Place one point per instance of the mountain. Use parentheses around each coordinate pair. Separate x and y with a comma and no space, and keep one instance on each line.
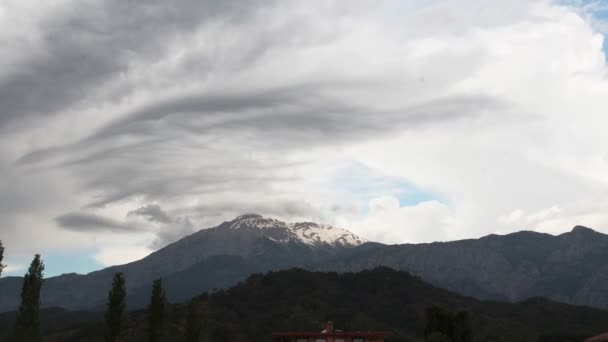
(210,258)
(379,299)
(571,267)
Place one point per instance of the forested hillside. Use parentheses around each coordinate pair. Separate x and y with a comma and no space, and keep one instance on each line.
(380,299)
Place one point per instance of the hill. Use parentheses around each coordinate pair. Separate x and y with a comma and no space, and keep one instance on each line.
(380,299)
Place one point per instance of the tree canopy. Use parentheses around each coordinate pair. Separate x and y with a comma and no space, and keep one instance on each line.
(194,327)
(1,257)
(157,312)
(117,306)
(445,323)
(27,324)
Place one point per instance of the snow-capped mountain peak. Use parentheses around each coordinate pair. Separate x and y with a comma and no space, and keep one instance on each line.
(254,221)
(309,233)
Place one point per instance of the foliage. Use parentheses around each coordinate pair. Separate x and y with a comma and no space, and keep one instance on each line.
(157,312)
(439,320)
(1,257)
(114,317)
(437,337)
(27,324)
(380,299)
(194,327)
(463,327)
(456,327)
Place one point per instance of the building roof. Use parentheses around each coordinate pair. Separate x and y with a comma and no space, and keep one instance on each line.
(598,338)
(380,334)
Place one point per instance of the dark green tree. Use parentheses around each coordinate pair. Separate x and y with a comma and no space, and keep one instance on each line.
(462,327)
(27,324)
(194,326)
(438,320)
(437,337)
(1,257)
(456,327)
(157,312)
(115,313)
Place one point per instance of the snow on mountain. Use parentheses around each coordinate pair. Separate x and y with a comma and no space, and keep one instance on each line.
(306,232)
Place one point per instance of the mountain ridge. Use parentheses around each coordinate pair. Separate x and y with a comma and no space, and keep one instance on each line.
(254,243)
(568,267)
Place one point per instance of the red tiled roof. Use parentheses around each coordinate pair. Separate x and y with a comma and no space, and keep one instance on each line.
(598,338)
(380,334)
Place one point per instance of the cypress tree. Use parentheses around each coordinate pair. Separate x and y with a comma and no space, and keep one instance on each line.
(156,312)
(27,324)
(194,326)
(115,313)
(1,257)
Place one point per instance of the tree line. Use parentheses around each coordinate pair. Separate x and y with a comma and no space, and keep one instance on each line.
(27,323)
(442,324)
(445,325)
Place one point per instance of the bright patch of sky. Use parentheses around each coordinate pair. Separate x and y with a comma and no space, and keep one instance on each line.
(596,12)
(362,184)
(56,263)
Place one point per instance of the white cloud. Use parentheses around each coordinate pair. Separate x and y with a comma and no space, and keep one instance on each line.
(534,163)
(387,222)
(498,110)
(13,268)
(120,254)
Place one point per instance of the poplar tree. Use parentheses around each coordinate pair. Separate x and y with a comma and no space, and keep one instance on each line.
(194,326)
(156,312)
(1,257)
(27,324)
(115,313)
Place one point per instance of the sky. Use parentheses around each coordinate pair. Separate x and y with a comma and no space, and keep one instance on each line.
(125,126)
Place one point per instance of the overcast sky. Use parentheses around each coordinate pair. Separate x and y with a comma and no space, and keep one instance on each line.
(126,125)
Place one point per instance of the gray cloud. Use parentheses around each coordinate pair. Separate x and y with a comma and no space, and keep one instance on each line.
(144,152)
(179,222)
(200,145)
(115,173)
(152,212)
(212,102)
(172,232)
(87,46)
(280,207)
(84,222)
(296,116)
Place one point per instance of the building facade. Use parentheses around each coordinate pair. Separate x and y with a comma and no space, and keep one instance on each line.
(331,335)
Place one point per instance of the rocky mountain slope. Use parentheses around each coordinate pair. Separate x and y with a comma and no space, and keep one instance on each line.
(380,299)
(571,267)
(210,258)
